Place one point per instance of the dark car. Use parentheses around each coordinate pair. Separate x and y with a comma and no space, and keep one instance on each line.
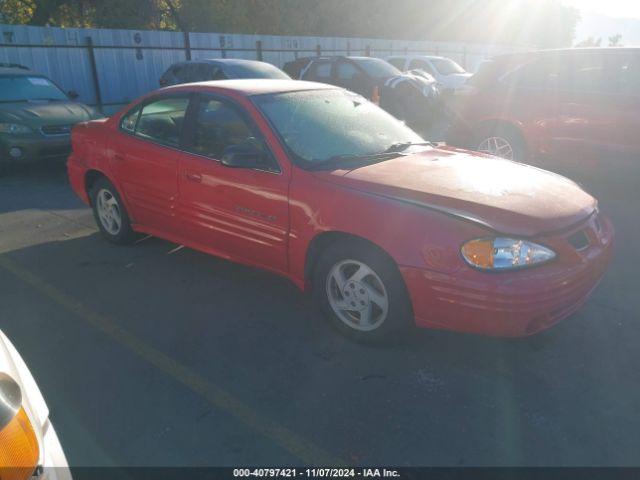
(409,97)
(219,69)
(569,104)
(36,116)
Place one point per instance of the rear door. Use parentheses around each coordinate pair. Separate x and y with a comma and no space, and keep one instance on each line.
(144,155)
(236,213)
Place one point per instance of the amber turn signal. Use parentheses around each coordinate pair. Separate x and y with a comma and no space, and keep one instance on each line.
(19,451)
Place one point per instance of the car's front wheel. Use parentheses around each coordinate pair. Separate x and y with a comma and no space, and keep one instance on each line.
(110,213)
(361,291)
(501,141)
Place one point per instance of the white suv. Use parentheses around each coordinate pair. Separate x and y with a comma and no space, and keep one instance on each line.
(447,73)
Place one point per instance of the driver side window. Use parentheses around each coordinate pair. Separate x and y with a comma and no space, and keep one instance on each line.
(219,125)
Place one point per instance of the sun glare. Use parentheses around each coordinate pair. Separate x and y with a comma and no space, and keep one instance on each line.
(610,8)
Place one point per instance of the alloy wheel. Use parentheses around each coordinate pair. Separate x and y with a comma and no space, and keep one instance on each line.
(498,146)
(357,295)
(108,211)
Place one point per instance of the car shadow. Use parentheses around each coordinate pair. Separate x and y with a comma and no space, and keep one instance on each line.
(46,183)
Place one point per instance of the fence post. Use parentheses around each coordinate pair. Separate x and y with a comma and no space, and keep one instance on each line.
(367,51)
(348,48)
(464,57)
(94,73)
(187,45)
(318,50)
(259,50)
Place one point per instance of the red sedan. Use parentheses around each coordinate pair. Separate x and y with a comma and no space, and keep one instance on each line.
(319,185)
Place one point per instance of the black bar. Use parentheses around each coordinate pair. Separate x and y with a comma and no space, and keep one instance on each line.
(318,50)
(259,50)
(394,473)
(187,45)
(94,72)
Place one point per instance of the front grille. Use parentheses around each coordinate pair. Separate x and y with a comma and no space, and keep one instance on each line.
(579,240)
(56,129)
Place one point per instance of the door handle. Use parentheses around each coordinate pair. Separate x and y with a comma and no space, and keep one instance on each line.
(117,156)
(193,177)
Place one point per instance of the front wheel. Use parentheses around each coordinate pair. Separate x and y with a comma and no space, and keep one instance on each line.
(502,142)
(361,292)
(110,213)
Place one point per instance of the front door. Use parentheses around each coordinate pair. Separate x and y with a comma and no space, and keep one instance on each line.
(238,213)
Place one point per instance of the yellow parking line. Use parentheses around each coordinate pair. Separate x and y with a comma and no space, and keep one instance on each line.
(301,448)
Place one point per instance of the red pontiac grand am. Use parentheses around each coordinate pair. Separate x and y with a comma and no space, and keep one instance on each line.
(317,184)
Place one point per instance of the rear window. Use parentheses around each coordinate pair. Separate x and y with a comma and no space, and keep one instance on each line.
(377,68)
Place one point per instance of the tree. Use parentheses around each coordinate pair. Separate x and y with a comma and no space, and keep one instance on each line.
(537,23)
(615,40)
(589,42)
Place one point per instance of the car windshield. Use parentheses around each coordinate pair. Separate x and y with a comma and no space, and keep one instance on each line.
(256,70)
(446,66)
(24,88)
(377,68)
(319,126)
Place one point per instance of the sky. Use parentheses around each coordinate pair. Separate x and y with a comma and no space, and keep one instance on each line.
(609,8)
(606,18)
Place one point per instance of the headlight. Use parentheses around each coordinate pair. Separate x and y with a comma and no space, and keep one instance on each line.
(19,451)
(14,128)
(504,253)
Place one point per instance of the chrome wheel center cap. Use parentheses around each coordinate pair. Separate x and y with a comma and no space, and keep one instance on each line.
(356,295)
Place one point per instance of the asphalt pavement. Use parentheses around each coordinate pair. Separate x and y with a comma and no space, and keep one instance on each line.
(152,354)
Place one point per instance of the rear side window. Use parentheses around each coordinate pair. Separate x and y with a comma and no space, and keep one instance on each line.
(319,70)
(547,73)
(161,120)
(397,62)
(417,64)
(177,71)
(347,71)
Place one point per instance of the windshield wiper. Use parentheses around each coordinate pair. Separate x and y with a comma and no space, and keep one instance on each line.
(351,160)
(400,146)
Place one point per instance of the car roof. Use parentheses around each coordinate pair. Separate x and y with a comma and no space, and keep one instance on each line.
(225,61)
(13,71)
(417,55)
(249,87)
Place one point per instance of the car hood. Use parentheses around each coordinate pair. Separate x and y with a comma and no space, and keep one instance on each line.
(507,197)
(37,114)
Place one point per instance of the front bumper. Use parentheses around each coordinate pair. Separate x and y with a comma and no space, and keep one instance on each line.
(512,304)
(33,147)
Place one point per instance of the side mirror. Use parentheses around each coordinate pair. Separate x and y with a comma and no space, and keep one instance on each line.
(243,156)
(72,94)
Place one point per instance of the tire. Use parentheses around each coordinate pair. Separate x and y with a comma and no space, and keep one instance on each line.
(103,194)
(381,283)
(493,139)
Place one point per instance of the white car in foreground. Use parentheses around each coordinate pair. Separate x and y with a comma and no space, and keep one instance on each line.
(447,73)
(29,446)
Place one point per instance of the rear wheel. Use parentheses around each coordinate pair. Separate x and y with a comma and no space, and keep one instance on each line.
(110,213)
(501,141)
(361,292)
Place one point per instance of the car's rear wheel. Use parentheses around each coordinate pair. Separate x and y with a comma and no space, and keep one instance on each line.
(361,291)
(501,141)
(110,213)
